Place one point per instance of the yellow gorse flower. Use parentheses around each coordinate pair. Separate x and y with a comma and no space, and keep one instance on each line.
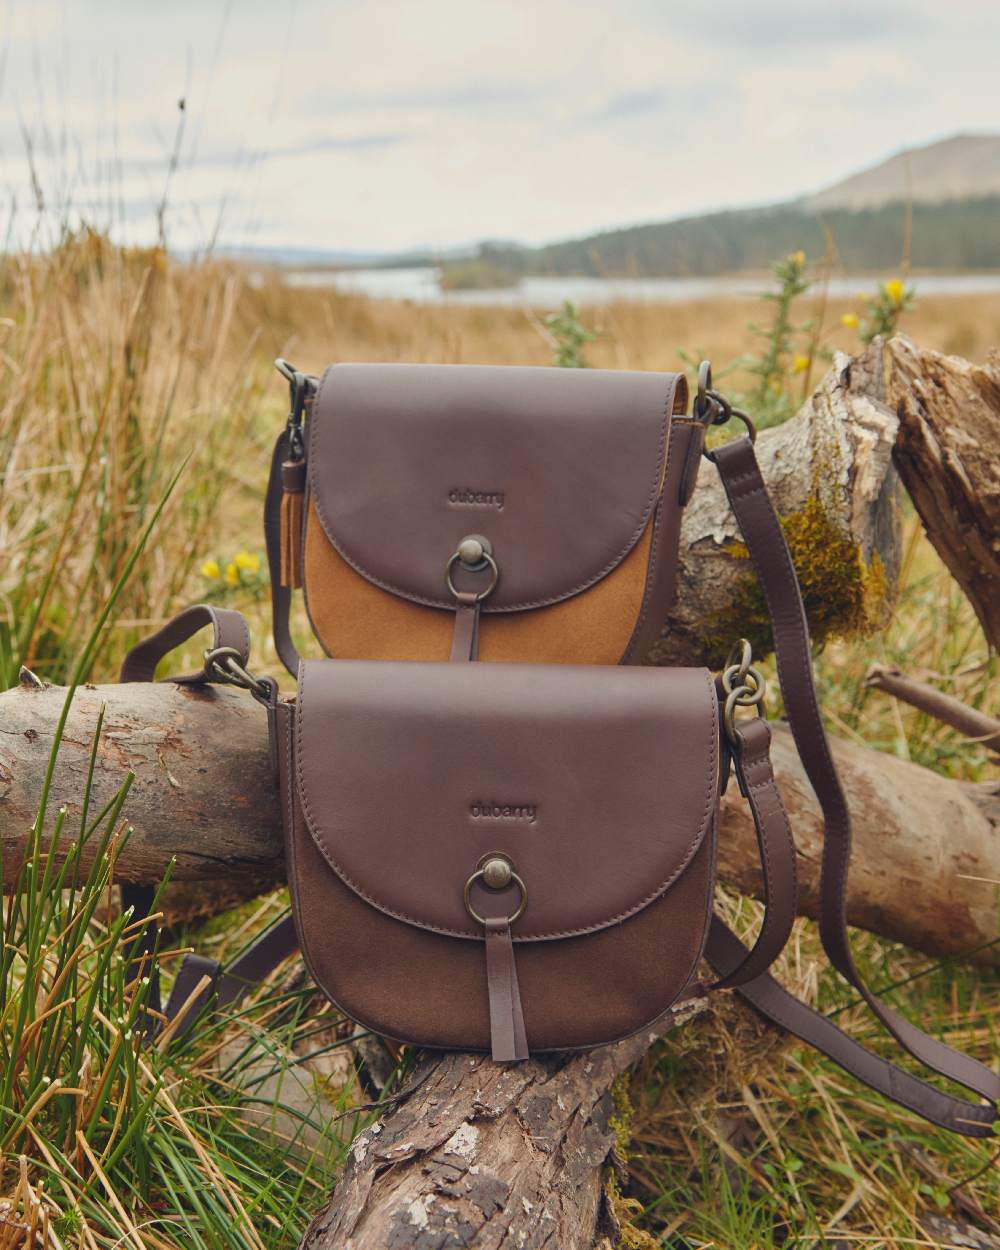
(850,320)
(894,289)
(799,257)
(247,561)
(232,574)
(210,569)
(800,364)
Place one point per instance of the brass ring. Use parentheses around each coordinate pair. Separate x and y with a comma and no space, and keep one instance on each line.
(734,679)
(225,665)
(741,696)
(482,919)
(494,578)
(740,657)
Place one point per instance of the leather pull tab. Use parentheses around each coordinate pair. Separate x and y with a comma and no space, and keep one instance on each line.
(293,475)
(507,1037)
(465,640)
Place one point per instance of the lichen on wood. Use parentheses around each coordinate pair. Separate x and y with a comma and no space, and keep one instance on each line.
(843,595)
(830,475)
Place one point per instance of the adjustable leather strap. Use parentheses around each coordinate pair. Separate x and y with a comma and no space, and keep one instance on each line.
(229,633)
(229,630)
(752,762)
(765,540)
(281,596)
(227,984)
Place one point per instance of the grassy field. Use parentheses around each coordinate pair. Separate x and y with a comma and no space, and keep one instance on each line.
(117,370)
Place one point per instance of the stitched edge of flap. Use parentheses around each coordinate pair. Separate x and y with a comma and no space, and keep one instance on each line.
(712,763)
(656,489)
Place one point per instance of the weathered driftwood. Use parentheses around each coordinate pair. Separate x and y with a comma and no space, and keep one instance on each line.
(829,471)
(490,1156)
(203,789)
(948,455)
(203,796)
(926,862)
(974,725)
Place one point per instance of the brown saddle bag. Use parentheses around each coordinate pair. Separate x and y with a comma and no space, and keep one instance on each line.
(520,856)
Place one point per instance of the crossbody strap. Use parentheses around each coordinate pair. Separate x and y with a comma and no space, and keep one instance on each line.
(225,662)
(750,750)
(281,595)
(765,540)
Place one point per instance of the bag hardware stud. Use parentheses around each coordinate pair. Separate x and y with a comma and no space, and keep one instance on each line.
(472,549)
(475,554)
(496,872)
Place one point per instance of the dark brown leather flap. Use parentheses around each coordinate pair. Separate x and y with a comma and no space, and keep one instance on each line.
(599,784)
(558,468)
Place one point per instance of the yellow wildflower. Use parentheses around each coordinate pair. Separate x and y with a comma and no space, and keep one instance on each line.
(850,320)
(894,289)
(247,561)
(210,569)
(232,574)
(798,258)
(800,364)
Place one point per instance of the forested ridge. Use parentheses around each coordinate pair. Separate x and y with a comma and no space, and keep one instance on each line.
(956,235)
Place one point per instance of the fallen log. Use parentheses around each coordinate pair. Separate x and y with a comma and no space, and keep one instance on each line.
(829,471)
(973,725)
(203,796)
(947,454)
(487,1155)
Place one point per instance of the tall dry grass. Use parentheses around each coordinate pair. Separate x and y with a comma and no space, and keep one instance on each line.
(118,367)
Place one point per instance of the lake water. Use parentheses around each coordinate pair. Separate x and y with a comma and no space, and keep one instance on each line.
(421,286)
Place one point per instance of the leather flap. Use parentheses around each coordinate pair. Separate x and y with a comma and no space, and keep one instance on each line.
(599,783)
(559,468)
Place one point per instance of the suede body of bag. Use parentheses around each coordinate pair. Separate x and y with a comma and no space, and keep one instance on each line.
(574,479)
(597,785)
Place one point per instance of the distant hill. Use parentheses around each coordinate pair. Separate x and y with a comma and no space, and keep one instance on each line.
(964,234)
(955,205)
(960,168)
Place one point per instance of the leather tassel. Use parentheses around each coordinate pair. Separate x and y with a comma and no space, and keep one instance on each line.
(465,640)
(507,1037)
(293,474)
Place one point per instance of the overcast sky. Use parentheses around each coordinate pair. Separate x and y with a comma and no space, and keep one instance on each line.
(354,124)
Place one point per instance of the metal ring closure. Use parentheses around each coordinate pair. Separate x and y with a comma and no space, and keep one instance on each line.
(480,875)
(728,411)
(487,562)
(225,664)
(712,408)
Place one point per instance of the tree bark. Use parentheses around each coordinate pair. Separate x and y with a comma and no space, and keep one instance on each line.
(488,1156)
(947,454)
(829,471)
(203,795)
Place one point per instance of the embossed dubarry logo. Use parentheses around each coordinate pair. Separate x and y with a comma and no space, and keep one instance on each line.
(465,497)
(527,813)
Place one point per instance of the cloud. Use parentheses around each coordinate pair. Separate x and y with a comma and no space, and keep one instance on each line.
(360,124)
